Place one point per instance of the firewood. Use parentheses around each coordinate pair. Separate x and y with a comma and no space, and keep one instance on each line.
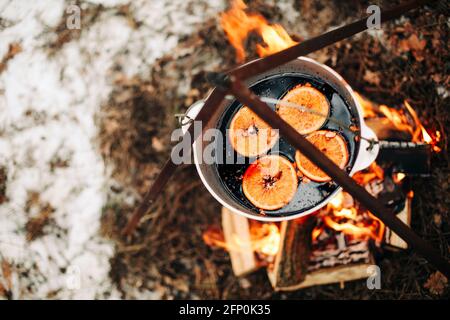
(340,274)
(236,230)
(392,240)
(291,262)
(354,252)
(339,265)
(335,265)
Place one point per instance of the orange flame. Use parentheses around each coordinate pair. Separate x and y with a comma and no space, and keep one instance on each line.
(238,24)
(374,172)
(368,106)
(400,118)
(265,239)
(342,215)
(353,222)
(421,134)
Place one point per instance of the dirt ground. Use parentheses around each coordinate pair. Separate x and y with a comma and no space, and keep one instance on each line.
(408,60)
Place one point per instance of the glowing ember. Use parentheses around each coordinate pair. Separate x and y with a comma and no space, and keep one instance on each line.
(238,24)
(398,177)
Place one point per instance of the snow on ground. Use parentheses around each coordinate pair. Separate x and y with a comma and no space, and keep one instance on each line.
(48,104)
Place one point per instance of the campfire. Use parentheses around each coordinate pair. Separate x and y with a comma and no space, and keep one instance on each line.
(238,24)
(335,244)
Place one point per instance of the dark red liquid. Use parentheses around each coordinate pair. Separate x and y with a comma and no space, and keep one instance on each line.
(309,194)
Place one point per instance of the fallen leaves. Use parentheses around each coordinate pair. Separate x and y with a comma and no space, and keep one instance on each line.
(5,279)
(413,44)
(3,178)
(131,125)
(436,283)
(437,219)
(157,144)
(36,224)
(372,77)
(14,49)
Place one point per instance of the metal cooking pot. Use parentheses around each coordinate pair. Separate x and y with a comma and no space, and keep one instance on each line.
(365,152)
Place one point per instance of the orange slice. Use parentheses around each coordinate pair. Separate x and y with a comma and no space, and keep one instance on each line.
(307,97)
(270,182)
(250,135)
(333,145)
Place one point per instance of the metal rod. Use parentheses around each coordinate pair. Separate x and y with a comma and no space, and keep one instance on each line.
(245,96)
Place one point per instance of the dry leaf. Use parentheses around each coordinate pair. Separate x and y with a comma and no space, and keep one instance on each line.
(436,283)
(3,178)
(418,55)
(412,43)
(14,48)
(415,43)
(6,273)
(436,78)
(157,145)
(35,225)
(372,77)
(437,218)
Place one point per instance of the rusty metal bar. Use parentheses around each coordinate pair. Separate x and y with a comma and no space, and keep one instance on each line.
(245,96)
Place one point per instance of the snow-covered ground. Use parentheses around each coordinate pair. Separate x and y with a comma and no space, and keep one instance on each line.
(48,105)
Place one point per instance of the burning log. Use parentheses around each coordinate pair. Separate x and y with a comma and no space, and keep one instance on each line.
(291,262)
(236,231)
(338,265)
